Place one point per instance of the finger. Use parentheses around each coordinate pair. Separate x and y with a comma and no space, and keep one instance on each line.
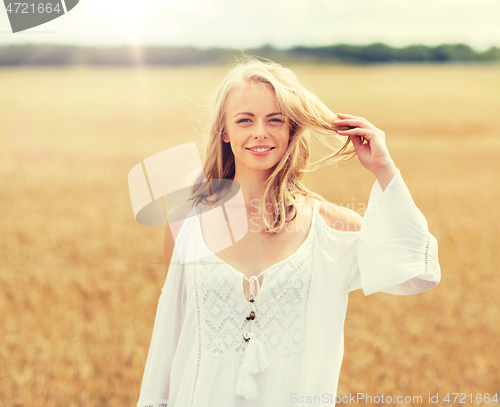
(356,132)
(353,123)
(349,116)
(356,139)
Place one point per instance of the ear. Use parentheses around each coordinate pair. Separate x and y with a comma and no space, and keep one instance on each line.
(225,137)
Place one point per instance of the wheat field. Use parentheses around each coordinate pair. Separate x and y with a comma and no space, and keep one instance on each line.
(80,279)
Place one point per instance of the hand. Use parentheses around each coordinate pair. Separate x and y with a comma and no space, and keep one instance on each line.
(373,155)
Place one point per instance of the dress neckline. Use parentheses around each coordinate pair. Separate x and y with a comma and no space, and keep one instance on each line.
(312,229)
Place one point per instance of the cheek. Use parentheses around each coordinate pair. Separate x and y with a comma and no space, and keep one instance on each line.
(286,137)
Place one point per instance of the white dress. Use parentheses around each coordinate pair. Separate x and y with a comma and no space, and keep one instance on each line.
(293,358)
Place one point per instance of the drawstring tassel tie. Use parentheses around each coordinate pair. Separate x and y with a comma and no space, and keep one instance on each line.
(254,361)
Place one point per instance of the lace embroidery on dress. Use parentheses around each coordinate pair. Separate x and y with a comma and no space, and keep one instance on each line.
(281,307)
(222,311)
(281,304)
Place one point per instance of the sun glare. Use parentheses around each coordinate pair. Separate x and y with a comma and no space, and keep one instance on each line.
(124,16)
(123,13)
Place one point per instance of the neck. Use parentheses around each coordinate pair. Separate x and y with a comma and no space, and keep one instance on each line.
(252,186)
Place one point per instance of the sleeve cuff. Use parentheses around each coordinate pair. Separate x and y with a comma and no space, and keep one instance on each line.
(396,252)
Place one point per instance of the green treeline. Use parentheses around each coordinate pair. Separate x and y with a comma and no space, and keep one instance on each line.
(43,55)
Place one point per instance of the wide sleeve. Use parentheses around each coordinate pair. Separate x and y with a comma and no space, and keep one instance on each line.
(396,253)
(166,332)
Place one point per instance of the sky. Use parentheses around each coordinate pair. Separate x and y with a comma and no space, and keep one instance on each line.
(246,24)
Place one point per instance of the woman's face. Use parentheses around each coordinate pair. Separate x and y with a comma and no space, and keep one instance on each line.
(256,128)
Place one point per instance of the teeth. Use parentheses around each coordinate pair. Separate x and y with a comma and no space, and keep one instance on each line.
(259,150)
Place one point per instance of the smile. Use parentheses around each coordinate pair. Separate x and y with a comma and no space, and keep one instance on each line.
(260,149)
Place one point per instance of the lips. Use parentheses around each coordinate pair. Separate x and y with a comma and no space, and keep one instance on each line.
(260,149)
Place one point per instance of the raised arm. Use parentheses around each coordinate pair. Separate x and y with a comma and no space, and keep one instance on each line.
(396,253)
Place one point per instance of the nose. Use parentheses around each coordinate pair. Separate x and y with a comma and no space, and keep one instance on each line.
(260,132)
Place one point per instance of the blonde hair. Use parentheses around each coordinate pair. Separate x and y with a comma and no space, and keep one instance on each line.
(308,117)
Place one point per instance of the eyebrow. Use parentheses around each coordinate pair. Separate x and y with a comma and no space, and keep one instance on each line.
(251,114)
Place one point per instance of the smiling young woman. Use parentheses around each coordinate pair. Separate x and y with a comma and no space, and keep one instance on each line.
(260,323)
(256,129)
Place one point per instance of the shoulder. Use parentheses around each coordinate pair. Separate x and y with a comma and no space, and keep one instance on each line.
(179,212)
(340,218)
(175,219)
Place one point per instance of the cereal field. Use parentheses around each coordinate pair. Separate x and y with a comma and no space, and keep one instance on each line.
(80,279)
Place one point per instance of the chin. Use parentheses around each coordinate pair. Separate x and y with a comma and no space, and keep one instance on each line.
(260,167)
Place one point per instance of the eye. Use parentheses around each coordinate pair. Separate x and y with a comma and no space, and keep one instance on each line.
(278,120)
(243,121)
